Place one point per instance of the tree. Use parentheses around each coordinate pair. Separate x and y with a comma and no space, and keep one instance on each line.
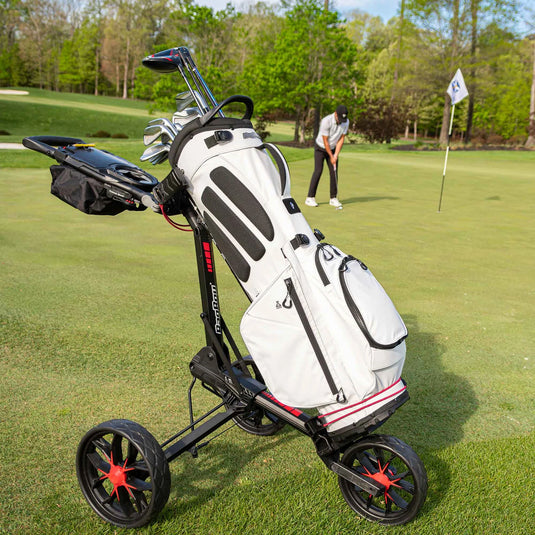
(128,31)
(444,38)
(43,26)
(310,64)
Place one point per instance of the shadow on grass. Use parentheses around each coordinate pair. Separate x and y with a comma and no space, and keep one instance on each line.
(441,404)
(218,467)
(354,200)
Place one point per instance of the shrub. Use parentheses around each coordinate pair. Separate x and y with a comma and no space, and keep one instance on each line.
(100,133)
(119,136)
(495,139)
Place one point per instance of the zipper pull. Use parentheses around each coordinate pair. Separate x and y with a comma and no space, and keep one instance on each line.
(287,303)
(344,262)
(327,256)
(347,259)
(334,250)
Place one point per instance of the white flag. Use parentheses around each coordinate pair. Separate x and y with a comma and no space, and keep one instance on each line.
(457,88)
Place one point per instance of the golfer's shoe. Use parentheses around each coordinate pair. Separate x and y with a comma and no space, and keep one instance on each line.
(336,203)
(311,201)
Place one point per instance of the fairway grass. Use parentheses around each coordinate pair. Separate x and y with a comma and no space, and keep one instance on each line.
(100,318)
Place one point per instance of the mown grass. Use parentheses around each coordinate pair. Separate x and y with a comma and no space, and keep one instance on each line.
(99,320)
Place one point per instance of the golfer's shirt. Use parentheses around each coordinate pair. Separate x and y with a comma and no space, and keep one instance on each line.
(330,128)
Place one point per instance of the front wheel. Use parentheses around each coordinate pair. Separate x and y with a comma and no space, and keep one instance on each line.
(123,473)
(392,463)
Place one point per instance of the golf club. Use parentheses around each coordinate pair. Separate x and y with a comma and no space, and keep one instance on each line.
(154,131)
(166,122)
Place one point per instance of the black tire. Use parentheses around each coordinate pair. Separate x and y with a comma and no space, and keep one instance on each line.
(123,473)
(393,463)
(258,421)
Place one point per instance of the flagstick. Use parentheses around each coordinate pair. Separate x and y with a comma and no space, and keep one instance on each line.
(446,159)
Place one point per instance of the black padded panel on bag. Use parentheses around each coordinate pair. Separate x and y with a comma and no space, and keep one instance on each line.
(233,224)
(234,258)
(248,204)
(82,192)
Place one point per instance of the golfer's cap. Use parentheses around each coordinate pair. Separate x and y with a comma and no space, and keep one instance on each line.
(341,111)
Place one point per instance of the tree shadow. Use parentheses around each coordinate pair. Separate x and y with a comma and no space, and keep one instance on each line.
(441,403)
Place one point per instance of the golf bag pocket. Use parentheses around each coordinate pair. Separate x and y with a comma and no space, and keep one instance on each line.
(370,307)
(284,341)
(84,193)
(359,323)
(347,281)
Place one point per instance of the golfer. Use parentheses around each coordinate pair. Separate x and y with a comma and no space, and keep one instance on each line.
(333,130)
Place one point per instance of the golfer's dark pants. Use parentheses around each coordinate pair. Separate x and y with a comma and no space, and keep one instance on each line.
(321,156)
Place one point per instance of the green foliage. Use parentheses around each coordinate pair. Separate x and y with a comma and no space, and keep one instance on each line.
(77,62)
(504,106)
(309,66)
(297,59)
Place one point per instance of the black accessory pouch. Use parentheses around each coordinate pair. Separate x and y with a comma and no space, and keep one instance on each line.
(87,194)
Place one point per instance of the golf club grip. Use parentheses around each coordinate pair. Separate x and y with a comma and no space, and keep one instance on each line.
(169,186)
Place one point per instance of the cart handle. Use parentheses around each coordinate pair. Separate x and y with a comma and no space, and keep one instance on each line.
(43,144)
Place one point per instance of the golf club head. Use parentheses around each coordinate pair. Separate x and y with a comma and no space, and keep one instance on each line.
(183,100)
(166,122)
(181,118)
(159,158)
(159,153)
(154,131)
(150,152)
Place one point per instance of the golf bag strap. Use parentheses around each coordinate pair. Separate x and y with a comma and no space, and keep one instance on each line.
(277,155)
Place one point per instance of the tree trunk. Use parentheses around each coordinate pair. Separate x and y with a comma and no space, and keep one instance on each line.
(474,6)
(97,69)
(126,68)
(443,139)
(415,129)
(317,120)
(531,129)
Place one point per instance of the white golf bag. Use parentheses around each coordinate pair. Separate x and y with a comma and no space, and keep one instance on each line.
(320,328)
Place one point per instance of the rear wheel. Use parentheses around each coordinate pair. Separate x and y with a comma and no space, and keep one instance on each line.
(123,473)
(392,463)
(258,421)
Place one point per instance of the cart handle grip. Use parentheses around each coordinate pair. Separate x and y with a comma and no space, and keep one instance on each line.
(43,144)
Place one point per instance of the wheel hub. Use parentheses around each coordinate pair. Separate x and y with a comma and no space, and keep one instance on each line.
(117,477)
(383,479)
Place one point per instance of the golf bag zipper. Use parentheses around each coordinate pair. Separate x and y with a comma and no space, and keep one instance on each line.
(327,256)
(292,297)
(353,308)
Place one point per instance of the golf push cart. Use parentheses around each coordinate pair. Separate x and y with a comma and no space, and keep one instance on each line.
(332,353)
